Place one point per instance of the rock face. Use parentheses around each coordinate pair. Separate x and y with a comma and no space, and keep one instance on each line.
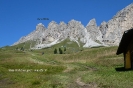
(52,32)
(76,30)
(35,35)
(95,33)
(56,33)
(89,41)
(112,30)
(108,33)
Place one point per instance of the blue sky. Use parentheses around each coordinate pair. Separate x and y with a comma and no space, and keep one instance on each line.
(19,17)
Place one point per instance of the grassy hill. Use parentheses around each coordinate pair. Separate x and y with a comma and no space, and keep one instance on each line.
(71,47)
(82,68)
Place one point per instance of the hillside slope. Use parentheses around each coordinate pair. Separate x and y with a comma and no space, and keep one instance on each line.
(86,68)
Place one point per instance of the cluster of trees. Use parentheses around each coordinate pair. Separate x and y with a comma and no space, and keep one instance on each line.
(22,48)
(60,51)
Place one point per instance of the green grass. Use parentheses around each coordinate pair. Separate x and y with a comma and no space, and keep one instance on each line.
(71,47)
(93,66)
(25,45)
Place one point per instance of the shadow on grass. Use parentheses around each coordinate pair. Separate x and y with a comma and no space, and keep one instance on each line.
(120,69)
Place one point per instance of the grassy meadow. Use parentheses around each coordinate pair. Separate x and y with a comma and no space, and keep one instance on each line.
(75,68)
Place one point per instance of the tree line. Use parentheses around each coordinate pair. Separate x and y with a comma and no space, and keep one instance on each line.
(60,50)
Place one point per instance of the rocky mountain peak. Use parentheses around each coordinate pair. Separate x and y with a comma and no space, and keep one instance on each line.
(74,22)
(62,22)
(40,24)
(52,22)
(103,27)
(93,29)
(40,27)
(115,27)
(52,25)
(125,11)
(62,26)
(92,22)
(76,31)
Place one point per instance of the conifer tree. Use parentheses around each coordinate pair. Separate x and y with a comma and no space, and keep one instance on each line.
(60,51)
(55,51)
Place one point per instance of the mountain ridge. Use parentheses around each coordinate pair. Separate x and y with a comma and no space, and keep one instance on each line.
(107,34)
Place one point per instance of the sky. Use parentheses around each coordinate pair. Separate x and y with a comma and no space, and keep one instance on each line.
(19,17)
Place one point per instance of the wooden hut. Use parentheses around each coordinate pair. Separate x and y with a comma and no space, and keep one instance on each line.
(126,47)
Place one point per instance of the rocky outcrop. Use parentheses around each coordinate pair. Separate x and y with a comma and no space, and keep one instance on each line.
(103,27)
(52,32)
(35,35)
(63,30)
(95,33)
(76,30)
(89,41)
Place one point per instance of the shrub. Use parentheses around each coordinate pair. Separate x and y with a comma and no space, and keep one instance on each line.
(64,48)
(35,83)
(22,49)
(16,48)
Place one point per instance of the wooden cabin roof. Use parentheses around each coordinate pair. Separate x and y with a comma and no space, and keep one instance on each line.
(125,41)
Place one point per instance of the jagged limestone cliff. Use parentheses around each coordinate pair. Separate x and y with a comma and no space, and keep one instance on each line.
(108,33)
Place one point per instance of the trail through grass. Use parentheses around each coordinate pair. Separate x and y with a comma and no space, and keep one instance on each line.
(89,68)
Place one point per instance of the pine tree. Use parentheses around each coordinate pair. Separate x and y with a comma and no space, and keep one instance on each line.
(60,51)
(55,51)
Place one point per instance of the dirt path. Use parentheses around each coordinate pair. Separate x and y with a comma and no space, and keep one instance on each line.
(35,61)
(84,85)
(33,54)
(68,69)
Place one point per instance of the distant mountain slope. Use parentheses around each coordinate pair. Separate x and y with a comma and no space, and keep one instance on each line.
(108,33)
